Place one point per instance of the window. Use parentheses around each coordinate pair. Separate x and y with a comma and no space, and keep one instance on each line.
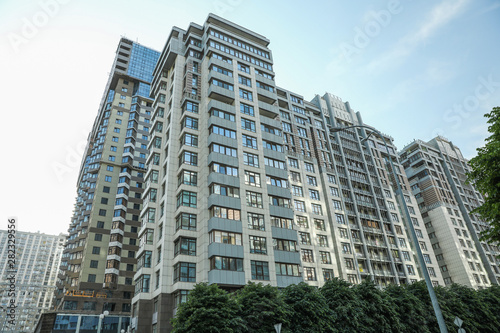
(307,255)
(331,179)
(245,94)
(252,178)
(312,181)
(325,257)
(108,178)
(316,209)
(185,272)
(225,237)
(297,191)
(287,269)
(223,131)
(186,246)
(334,191)
(411,270)
(258,245)
(222,114)
(188,178)
(337,204)
(281,222)
(225,213)
(322,240)
(427,259)
(224,169)
(314,195)
(94,264)
(254,199)
(343,233)
(299,206)
(310,274)
(189,140)
(346,248)
(260,270)
(293,162)
(98,237)
(224,190)
(96,250)
(274,163)
(185,221)
(247,109)
(284,245)
(244,80)
(309,167)
(191,107)
(249,141)
(188,158)
(248,125)
(277,182)
(187,199)
(328,274)
(250,159)
(319,224)
(301,221)
(226,264)
(189,122)
(222,70)
(305,238)
(224,150)
(243,68)
(256,221)
(295,176)
(340,218)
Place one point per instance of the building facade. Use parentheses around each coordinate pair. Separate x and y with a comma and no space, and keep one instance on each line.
(437,174)
(246,182)
(38,257)
(99,260)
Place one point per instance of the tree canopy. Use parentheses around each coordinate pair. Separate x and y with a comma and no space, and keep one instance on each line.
(338,306)
(485,175)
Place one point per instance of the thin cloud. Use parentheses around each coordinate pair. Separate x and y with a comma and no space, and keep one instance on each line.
(439,16)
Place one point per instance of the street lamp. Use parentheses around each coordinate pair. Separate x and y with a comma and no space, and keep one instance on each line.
(430,288)
(101,320)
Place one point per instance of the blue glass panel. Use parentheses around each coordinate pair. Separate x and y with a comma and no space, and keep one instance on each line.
(65,324)
(142,62)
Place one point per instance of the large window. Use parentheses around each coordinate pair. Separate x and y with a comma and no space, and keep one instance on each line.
(187,199)
(248,124)
(185,221)
(224,150)
(249,141)
(225,213)
(225,190)
(189,140)
(188,178)
(189,158)
(281,222)
(310,274)
(185,272)
(225,237)
(305,238)
(223,131)
(256,221)
(226,264)
(251,159)
(287,269)
(278,201)
(225,169)
(284,245)
(190,122)
(252,178)
(274,163)
(307,255)
(222,114)
(258,245)
(260,270)
(247,109)
(186,246)
(254,199)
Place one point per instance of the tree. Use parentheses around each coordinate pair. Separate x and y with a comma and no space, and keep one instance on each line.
(485,175)
(342,300)
(309,310)
(261,308)
(208,309)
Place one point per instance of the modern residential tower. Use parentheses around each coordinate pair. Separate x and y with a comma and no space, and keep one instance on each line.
(437,173)
(99,260)
(38,257)
(245,182)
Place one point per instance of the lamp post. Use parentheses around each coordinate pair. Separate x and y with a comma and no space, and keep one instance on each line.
(430,288)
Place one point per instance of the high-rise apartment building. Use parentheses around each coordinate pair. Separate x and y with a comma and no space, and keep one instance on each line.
(246,182)
(437,174)
(37,257)
(99,263)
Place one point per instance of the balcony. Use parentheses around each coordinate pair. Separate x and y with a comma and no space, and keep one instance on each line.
(221,94)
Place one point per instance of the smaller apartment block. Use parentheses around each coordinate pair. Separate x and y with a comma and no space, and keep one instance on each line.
(38,257)
(437,174)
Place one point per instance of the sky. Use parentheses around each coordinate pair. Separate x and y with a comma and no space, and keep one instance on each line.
(413,69)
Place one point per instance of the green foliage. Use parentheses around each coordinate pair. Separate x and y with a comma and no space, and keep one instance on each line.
(309,310)
(485,175)
(337,307)
(262,307)
(208,309)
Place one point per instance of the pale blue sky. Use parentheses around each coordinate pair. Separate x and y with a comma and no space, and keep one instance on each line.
(414,69)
